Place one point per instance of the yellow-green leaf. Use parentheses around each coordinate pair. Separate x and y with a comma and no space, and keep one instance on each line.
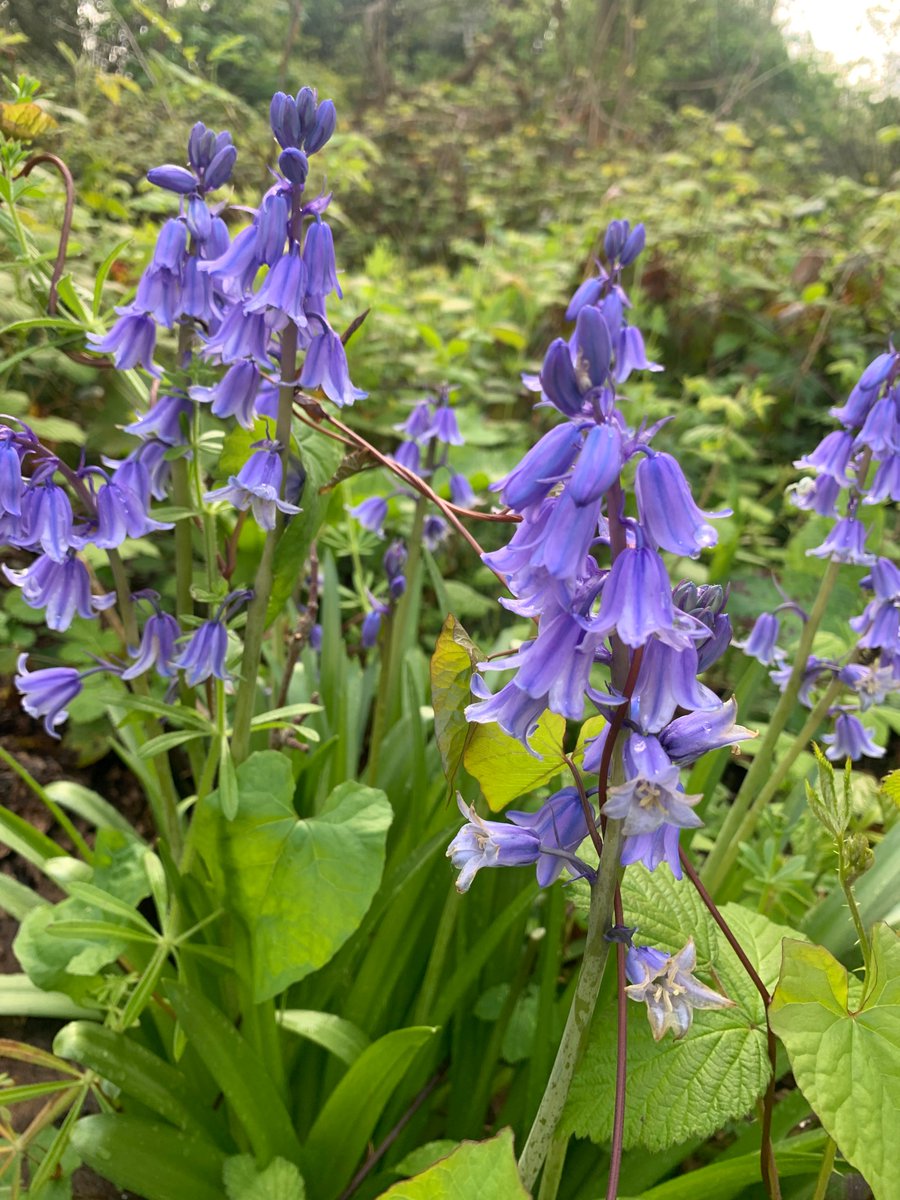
(474,1171)
(24,120)
(452,664)
(504,767)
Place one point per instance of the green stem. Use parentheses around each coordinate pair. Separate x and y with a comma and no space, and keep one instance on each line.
(59,816)
(262,588)
(749,802)
(855,914)
(825,1170)
(553,1167)
(184,549)
(578,1022)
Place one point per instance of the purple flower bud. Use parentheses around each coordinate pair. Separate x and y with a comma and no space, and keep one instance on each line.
(419,420)
(394,559)
(599,464)
(203,655)
(201,146)
(171,245)
(371,626)
(306,109)
(593,349)
(586,293)
(444,427)
(558,379)
(614,239)
(284,120)
(199,219)
(407,455)
(219,170)
(47,693)
(294,166)
(47,520)
(850,740)
(434,531)
(667,508)
(633,246)
(326,119)
(371,514)
(10,479)
(174,179)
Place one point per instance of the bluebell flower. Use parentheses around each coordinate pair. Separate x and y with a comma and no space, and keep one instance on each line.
(121,514)
(168,420)
(283,289)
(294,166)
(652,849)
(173,179)
(872,684)
(812,672)
(569,533)
(651,795)
(47,520)
(212,157)
(419,420)
(444,427)
(831,457)
(511,708)
(241,335)
(560,824)
(865,393)
(598,466)
(407,455)
(371,626)
(689,737)
(203,656)
(10,476)
(461,492)
(394,563)
(541,468)
(48,693)
(371,514)
(667,681)
(318,257)
(667,509)
(434,532)
(881,429)
(257,486)
(666,984)
(559,382)
(819,495)
(235,394)
(636,601)
(157,648)
(588,292)
(131,341)
(886,483)
(850,740)
(483,843)
(199,219)
(325,367)
(846,543)
(62,589)
(762,642)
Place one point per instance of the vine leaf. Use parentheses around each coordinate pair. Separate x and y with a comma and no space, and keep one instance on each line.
(483,1169)
(847,1063)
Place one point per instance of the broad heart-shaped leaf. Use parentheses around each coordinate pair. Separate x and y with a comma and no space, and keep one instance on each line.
(301,887)
(321,458)
(504,767)
(687,1088)
(452,664)
(71,964)
(847,1064)
(474,1171)
(245,1181)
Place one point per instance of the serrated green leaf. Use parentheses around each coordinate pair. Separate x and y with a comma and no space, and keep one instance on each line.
(890,787)
(452,664)
(504,767)
(716,1072)
(474,1171)
(301,886)
(847,1063)
(279,1181)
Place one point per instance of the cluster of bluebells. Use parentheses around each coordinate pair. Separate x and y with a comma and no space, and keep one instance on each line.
(205,285)
(429,434)
(853,468)
(593,578)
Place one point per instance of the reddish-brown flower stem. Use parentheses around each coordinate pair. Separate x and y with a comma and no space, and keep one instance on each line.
(768,1165)
(616,724)
(585,805)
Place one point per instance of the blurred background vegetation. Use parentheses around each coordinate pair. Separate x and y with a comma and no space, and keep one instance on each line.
(481,150)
